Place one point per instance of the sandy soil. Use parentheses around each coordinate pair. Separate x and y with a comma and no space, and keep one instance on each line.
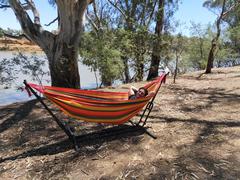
(196,122)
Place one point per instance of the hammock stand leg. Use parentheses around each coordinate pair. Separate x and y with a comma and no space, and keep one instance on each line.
(149,109)
(62,125)
(150,104)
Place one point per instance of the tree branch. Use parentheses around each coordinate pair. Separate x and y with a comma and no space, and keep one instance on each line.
(230,9)
(24,19)
(16,37)
(151,14)
(118,8)
(2,6)
(143,14)
(31,30)
(92,23)
(96,14)
(52,21)
(35,12)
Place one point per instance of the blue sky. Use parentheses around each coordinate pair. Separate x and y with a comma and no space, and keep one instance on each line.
(47,14)
(192,10)
(189,10)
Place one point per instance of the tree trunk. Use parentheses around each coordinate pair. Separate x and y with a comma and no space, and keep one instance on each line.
(106,81)
(212,52)
(176,70)
(126,70)
(61,48)
(211,55)
(63,65)
(153,72)
(140,68)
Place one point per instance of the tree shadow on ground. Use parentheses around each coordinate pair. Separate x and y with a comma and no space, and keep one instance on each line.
(194,165)
(94,139)
(164,119)
(20,113)
(195,160)
(37,135)
(207,96)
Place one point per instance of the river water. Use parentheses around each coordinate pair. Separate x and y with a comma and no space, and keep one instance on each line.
(11,95)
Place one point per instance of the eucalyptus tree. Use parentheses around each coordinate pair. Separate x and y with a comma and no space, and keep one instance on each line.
(1,32)
(153,71)
(135,17)
(233,20)
(221,8)
(199,45)
(61,47)
(99,48)
(165,11)
(178,46)
(98,52)
(234,36)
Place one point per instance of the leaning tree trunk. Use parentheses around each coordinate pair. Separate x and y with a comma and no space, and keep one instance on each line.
(211,56)
(61,48)
(153,72)
(212,52)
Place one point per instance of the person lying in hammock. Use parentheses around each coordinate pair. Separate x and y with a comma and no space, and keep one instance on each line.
(135,93)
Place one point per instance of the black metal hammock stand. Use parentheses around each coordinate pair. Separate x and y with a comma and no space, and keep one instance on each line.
(72,100)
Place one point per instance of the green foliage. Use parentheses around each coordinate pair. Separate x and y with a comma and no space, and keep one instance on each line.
(234,36)
(198,46)
(226,54)
(13,32)
(141,44)
(197,52)
(123,41)
(233,19)
(10,31)
(1,32)
(99,53)
(213,3)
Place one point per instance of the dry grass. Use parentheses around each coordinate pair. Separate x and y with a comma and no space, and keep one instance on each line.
(196,122)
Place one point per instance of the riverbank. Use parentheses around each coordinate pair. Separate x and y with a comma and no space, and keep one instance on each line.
(196,122)
(18,45)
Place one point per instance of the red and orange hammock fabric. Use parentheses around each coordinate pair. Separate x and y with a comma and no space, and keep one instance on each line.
(99,106)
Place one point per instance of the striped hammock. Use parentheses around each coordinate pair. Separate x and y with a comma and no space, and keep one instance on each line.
(99,106)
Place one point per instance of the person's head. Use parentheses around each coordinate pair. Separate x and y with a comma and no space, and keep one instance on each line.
(142,92)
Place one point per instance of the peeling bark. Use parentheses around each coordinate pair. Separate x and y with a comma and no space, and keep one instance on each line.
(62,48)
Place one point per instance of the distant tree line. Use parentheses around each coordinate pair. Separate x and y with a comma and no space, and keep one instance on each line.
(141,37)
(10,31)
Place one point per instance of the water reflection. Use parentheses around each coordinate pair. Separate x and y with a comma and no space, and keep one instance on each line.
(8,96)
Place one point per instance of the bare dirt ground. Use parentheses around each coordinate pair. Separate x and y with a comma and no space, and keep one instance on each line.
(196,121)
